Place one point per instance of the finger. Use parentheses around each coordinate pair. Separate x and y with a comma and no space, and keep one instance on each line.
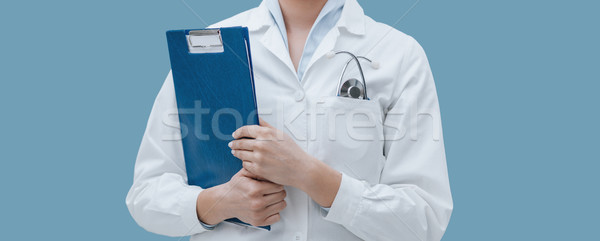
(247,132)
(270,188)
(275,208)
(253,176)
(243,144)
(241,172)
(245,173)
(243,155)
(272,219)
(273,198)
(252,167)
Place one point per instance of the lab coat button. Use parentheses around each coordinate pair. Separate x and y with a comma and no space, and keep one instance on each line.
(299,96)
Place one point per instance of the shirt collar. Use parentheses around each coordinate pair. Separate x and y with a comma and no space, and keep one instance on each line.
(330,7)
(352,18)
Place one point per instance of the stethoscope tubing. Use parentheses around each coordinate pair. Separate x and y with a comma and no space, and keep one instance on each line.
(362,75)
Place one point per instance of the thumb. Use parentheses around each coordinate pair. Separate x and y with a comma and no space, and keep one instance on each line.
(245,173)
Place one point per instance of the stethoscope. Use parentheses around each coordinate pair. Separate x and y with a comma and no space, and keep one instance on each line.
(353,88)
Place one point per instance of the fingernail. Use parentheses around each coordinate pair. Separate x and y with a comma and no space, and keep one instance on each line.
(232,152)
(230,144)
(233,135)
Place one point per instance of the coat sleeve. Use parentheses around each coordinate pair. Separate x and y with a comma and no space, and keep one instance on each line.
(412,200)
(160,200)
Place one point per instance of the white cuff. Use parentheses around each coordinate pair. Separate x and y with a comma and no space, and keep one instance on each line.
(347,201)
(188,200)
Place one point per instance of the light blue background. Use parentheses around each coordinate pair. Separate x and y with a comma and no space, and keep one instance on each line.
(517,82)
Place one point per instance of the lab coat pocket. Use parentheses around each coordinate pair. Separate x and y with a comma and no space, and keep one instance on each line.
(349,133)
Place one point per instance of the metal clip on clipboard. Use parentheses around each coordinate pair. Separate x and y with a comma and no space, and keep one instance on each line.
(205,41)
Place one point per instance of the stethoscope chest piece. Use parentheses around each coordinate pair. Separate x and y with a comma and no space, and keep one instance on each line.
(352,88)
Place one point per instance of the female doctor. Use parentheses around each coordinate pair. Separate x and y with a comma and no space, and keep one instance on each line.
(320,166)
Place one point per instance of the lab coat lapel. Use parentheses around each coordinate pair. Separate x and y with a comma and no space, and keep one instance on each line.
(327,44)
(273,42)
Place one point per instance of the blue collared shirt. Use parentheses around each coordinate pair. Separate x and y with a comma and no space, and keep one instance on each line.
(327,19)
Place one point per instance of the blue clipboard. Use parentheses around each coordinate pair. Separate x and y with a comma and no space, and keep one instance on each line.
(214,87)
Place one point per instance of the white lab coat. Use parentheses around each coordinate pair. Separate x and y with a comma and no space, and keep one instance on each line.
(394,183)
